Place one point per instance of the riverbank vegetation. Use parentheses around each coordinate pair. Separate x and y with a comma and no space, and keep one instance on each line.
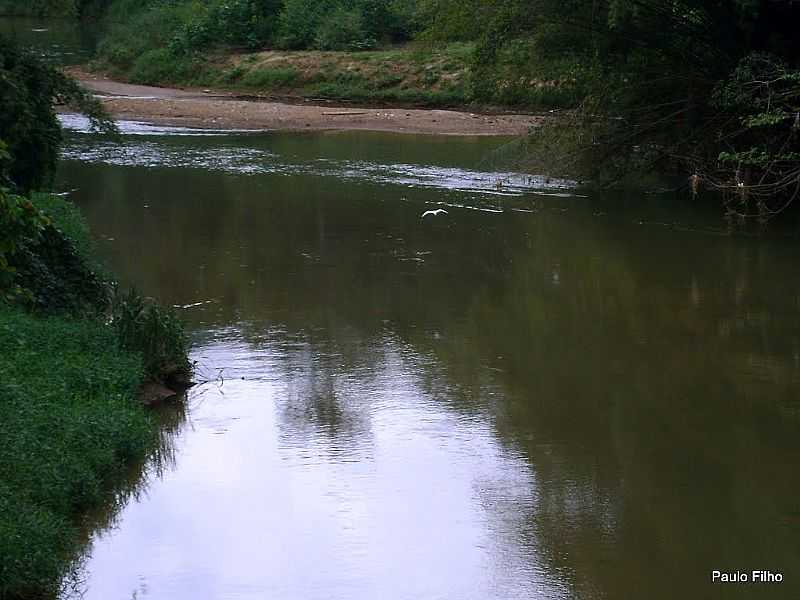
(710,91)
(69,427)
(70,374)
(74,352)
(423,76)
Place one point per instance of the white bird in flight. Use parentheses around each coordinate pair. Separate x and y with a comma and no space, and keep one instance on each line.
(434,213)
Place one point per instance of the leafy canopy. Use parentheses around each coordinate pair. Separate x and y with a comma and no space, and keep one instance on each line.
(29,89)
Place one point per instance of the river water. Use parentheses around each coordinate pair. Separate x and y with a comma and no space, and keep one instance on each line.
(543,393)
(546,392)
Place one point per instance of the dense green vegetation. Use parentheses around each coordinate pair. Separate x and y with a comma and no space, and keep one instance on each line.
(29,131)
(185,26)
(53,8)
(69,427)
(429,76)
(71,421)
(709,88)
(189,43)
(42,266)
(73,351)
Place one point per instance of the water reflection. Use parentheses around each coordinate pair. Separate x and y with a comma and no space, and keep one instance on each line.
(561,403)
(105,519)
(277,486)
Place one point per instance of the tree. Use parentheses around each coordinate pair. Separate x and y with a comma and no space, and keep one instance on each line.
(29,89)
(708,86)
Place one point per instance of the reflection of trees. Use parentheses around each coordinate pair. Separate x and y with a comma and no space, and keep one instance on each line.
(326,399)
(650,392)
(649,376)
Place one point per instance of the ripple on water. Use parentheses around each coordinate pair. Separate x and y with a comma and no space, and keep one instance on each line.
(240,159)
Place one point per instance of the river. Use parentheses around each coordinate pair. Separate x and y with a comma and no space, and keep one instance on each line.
(546,392)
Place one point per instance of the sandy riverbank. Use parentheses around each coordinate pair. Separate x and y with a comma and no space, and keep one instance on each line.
(225,110)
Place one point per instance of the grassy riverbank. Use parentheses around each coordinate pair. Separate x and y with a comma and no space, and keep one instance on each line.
(417,74)
(410,75)
(71,426)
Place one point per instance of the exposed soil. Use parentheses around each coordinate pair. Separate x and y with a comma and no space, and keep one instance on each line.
(225,110)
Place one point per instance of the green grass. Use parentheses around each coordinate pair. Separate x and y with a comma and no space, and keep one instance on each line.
(70,421)
(393,95)
(183,43)
(67,217)
(70,424)
(269,78)
(415,74)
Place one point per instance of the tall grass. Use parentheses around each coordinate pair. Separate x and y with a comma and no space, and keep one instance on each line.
(70,420)
(154,332)
(270,78)
(69,425)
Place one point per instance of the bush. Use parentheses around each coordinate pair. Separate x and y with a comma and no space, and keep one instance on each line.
(156,333)
(344,30)
(162,66)
(342,25)
(521,76)
(299,20)
(134,29)
(237,23)
(19,222)
(55,278)
(67,218)
(40,8)
(28,123)
(40,266)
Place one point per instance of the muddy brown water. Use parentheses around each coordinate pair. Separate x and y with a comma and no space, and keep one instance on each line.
(543,393)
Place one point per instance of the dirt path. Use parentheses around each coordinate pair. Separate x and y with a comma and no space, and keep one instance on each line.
(223,110)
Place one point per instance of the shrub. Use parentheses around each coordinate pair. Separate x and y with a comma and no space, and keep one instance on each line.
(299,20)
(344,30)
(55,278)
(342,25)
(156,333)
(67,218)
(40,266)
(20,222)
(238,23)
(133,29)
(28,123)
(162,65)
